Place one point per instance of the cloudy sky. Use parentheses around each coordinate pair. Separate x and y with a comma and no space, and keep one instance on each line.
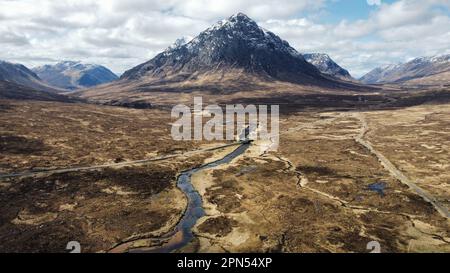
(358,34)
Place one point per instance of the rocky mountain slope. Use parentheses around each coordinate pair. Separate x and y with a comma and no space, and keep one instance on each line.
(235,45)
(326,65)
(420,70)
(74,75)
(233,58)
(14,91)
(21,75)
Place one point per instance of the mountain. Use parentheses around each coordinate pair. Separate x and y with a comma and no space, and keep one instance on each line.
(74,75)
(13,91)
(423,70)
(229,59)
(19,74)
(326,65)
(236,46)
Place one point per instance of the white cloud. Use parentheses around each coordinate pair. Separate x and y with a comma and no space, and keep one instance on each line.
(374,2)
(394,33)
(121,34)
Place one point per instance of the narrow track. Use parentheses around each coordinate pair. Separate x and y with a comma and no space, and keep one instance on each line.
(396,173)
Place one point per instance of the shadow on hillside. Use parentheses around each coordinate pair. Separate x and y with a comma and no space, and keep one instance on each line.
(351,102)
(10,144)
(4,108)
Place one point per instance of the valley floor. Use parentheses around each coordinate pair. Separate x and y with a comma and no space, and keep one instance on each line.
(312,195)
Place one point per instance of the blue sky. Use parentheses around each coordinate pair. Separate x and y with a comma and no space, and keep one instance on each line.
(350,10)
(358,34)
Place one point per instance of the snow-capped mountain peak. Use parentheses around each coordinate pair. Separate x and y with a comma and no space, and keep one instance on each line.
(74,74)
(237,42)
(414,69)
(233,21)
(327,66)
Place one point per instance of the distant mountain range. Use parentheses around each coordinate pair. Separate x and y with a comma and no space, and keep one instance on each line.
(232,55)
(21,75)
(74,75)
(326,65)
(420,71)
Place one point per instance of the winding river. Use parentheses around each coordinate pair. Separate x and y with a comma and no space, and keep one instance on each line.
(183,232)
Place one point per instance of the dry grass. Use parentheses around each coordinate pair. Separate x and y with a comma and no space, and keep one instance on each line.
(313,195)
(49,134)
(310,196)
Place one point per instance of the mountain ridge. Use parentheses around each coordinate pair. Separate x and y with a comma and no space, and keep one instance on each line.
(327,65)
(72,75)
(236,43)
(235,55)
(22,75)
(411,71)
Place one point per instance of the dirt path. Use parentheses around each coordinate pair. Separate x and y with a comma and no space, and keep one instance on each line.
(394,171)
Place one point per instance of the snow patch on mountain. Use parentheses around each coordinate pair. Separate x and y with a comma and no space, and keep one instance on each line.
(234,43)
(414,69)
(327,66)
(74,74)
